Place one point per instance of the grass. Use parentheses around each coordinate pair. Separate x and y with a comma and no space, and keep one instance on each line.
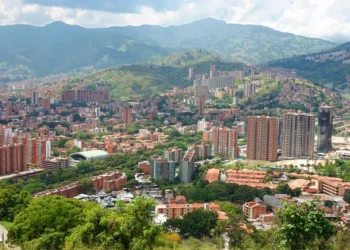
(6,224)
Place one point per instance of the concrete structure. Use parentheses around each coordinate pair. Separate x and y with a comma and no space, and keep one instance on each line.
(173,154)
(190,73)
(201,151)
(248,176)
(187,166)
(86,95)
(201,92)
(127,116)
(38,150)
(54,163)
(13,159)
(253,210)
(113,180)
(325,127)
(223,140)
(145,166)
(298,135)
(201,106)
(34,99)
(249,89)
(212,175)
(173,211)
(89,155)
(262,137)
(203,125)
(162,169)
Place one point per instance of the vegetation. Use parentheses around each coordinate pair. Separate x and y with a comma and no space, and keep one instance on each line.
(320,73)
(133,80)
(103,48)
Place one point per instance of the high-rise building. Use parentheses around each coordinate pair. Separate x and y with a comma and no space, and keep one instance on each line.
(38,150)
(12,159)
(249,89)
(187,166)
(190,74)
(201,106)
(203,125)
(98,111)
(9,109)
(298,135)
(262,137)
(173,154)
(5,135)
(325,127)
(35,97)
(85,95)
(162,169)
(127,116)
(223,141)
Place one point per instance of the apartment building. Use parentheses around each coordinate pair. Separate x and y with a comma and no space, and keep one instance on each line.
(253,210)
(298,135)
(176,211)
(262,138)
(223,141)
(173,154)
(38,150)
(248,176)
(212,175)
(187,166)
(12,159)
(127,116)
(249,89)
(162,169)
(86,95)
(203,125)
(54,163)
(325,128)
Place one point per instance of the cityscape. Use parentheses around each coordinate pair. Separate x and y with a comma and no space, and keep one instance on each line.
(152,137)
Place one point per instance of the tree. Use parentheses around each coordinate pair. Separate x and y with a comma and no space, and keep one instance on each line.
(12,201)
(198,223)
(86,185)
(46,222)
(302,226)
(129,227)
(172,225)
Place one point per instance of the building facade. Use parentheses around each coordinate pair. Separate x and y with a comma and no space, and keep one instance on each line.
(162,169)
(325,128)
(262,137)
(187,166)
(223,141)
(298,135)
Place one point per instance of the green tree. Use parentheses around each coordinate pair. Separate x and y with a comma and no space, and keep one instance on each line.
(129,227)
(303,227)
(198,223)
(47,221)
(86,185)
(12,201)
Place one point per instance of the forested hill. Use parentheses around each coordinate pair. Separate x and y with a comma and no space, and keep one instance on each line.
(27,51)
(331,66)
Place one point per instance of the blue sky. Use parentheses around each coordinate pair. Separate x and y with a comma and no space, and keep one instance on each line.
(327,19)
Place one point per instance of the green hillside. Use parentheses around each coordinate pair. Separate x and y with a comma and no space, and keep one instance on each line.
(143,80)
(57,48)
(248,43)
(321,68)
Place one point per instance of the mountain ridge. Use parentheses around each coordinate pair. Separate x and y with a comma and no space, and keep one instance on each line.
(59,47)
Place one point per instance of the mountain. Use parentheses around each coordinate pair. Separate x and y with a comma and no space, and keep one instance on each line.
(143,80)
(58,48)
(331,67)
(27,51)
(248,43)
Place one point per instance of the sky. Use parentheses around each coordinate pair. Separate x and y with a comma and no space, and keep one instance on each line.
(326,19)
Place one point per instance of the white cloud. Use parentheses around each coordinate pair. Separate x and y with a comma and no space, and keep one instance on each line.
(328,19)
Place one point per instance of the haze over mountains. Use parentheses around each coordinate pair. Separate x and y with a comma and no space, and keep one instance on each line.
(28,51)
